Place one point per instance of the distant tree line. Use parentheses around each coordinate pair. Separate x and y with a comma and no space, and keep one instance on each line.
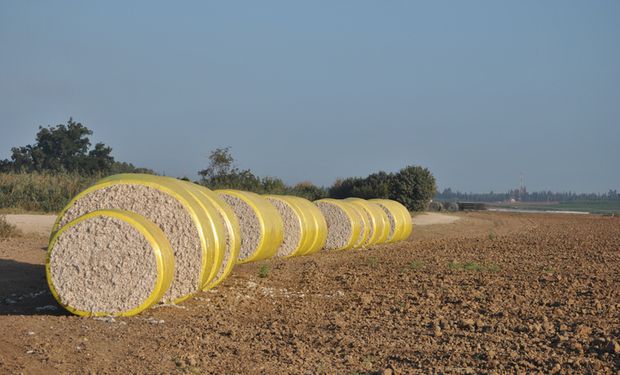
(62,161)
(66,148)
(222,173)
(525,196)
(413,186)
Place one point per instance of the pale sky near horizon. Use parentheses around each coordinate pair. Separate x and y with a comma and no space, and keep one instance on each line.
(477,91)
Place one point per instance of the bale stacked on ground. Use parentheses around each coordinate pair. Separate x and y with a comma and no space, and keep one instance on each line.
(344,224)
(304,231)
(194,232)
(377,220)
(132,240)
(360,216)
(109,262)
(262,228)
(228,244)
(317,223)
(399,218)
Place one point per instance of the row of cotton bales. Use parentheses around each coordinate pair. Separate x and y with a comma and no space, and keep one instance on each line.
(133,240)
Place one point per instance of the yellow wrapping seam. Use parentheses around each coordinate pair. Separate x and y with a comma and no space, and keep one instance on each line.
(400,211)
(232,230)
(398,215)
(384,220)
(364,238)
(215,225)
(408,224)
(272,227)
(378,219)
(319,224)
(161,250)
(173,188)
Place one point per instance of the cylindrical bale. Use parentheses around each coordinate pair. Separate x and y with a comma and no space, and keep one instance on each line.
(318,222)
(365,225)
(399,217)
(227,245)
(262,229)
(109,262)
(298,226)
(378,220)
(343,223)
(166,202)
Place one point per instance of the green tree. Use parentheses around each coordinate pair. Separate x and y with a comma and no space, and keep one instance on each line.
(413,186)
(222,173)
(308,190)
(221,163)
(376,185)
(61,148)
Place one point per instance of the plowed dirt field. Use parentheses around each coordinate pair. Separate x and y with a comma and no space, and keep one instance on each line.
(489,293)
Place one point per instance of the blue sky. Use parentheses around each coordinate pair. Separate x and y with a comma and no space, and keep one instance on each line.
(477,91)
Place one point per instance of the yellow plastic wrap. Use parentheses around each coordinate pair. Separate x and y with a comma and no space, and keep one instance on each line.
(377,218)
(227,240)
(304,220)
(270,222)
(364,238)
(318,222)
(354,217)
(196,211)
(402,218)
(162,251)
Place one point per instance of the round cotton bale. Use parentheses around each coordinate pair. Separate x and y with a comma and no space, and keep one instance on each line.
(317,241)
(297,226)
(109,262)
(395,219)
(229,243)
(168,204)
(262,229)
(377,219)
(399,217)
(343,223)
(365,227)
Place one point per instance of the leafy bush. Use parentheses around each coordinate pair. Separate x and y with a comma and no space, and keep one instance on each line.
(414,187)
(308,190)
(222,173)
(66,148)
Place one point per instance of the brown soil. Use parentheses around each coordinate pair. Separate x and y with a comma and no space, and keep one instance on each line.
(491,292)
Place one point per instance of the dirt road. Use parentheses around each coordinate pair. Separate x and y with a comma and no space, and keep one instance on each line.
(32,224)
(491,292)
(42,224)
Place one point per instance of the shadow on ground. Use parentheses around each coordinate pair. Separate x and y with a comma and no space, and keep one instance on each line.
(24,290)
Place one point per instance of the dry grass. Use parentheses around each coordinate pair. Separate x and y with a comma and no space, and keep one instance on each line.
(7,229)
(40,192)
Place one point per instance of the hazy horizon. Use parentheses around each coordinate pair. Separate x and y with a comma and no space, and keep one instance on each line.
(478,92)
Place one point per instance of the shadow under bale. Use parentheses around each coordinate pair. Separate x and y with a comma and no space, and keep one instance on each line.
(24,291)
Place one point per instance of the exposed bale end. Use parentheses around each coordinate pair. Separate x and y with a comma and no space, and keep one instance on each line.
(399,218)
(228,243)
(295,227)
(165,202)
(109,262)
(262,229)
(318,234)
(343,224)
